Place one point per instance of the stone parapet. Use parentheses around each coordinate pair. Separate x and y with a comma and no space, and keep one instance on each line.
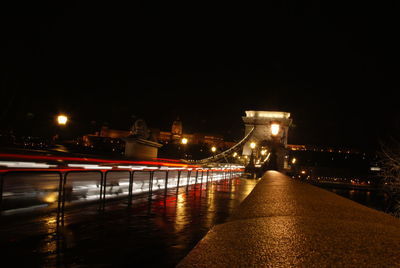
(288,223)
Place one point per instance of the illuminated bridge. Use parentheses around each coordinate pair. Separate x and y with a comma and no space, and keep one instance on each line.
(154,212)
(39,181)
(265,141)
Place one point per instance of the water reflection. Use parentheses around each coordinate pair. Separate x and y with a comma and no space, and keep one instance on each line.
(375,199)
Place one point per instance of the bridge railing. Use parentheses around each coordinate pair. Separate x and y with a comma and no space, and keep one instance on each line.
(32,189)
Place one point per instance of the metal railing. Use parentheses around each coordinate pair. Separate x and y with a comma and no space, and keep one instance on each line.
(23,190)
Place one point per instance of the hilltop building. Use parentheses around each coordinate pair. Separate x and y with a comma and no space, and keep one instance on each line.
(174,136)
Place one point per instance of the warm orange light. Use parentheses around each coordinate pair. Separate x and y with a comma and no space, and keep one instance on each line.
(51,198)
(184,141)
(62,119)
(213,149)
(252,145)
(275,129)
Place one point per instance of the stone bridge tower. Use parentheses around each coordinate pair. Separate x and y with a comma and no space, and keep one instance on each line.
(270,131)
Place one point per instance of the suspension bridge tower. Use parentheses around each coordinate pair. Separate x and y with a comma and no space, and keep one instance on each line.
(269,134)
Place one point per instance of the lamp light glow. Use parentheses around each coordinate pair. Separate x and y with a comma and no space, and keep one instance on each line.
(275,129)
(62,119)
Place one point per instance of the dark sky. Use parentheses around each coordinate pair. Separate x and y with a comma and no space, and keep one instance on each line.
(332,64)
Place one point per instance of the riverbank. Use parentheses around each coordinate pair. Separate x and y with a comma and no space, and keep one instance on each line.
(339,185)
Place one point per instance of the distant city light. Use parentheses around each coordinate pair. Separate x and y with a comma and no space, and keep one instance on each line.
(263,152)
(234,154)
(213,149)
(184,141)
(62,119)
(252,145)
(294,161)
(267,114)
(275,129)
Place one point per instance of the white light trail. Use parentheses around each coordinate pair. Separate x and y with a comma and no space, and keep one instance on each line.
(25,164)
(88,166)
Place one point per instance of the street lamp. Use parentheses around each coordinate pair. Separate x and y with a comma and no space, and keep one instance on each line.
(275,129)
(252,145)
(213,149)
(184,142)
(62,119)
(250,166)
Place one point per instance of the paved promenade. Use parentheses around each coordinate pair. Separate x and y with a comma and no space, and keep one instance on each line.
(287,223)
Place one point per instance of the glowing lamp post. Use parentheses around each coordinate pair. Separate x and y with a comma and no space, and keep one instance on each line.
(250,166)
(213,149)
(184,142)
(275,129)
(252,145)
(62,120)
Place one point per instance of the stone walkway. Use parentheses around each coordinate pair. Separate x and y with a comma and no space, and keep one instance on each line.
(288,223)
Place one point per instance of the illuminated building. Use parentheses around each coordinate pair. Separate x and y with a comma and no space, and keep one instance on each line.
(165,137)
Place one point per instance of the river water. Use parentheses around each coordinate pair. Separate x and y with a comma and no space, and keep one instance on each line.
(148,234)
(375,199)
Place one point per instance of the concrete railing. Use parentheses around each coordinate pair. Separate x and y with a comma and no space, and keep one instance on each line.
(288,223)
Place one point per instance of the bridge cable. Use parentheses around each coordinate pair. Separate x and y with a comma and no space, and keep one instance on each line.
(226,152)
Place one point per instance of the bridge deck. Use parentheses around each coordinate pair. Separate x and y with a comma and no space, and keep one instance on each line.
(289,223)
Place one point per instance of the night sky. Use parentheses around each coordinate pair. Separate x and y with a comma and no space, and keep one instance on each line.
(334,66)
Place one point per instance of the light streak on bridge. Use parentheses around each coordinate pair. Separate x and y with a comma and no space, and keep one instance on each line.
(55,184)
